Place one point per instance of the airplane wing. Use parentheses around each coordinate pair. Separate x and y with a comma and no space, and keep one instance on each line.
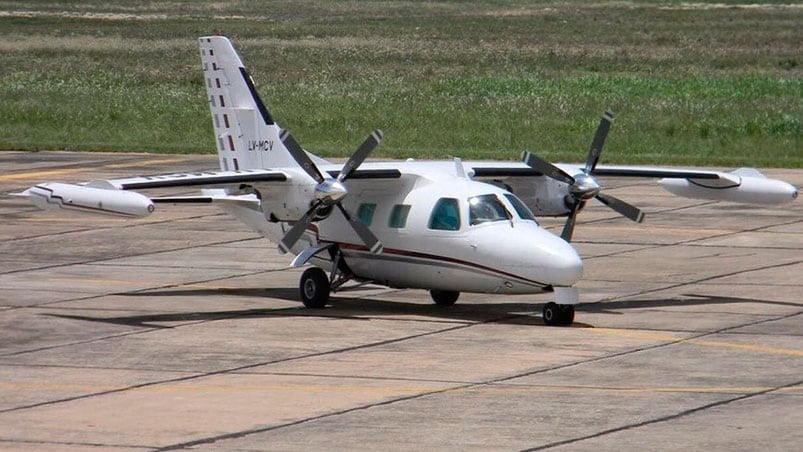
(209,179)
(197,179)
(744,185)
(118,196)
(486,170)
(722,178)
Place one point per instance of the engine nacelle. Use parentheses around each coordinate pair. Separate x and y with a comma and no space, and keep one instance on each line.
(745,185)
(89,199)
(288,201)
(545,196)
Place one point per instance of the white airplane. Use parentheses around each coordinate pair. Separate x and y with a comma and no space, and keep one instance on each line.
(447,227)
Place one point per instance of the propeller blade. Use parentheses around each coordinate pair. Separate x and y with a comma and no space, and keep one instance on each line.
(568,228)
(599,141)
(291,237)
(625,209)
(300,156)
(546,168)
(367,237)
(360,154)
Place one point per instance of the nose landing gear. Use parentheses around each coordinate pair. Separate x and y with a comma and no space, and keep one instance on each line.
(444,297)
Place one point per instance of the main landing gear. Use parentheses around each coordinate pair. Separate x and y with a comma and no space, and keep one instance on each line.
(315,286)
(558,314)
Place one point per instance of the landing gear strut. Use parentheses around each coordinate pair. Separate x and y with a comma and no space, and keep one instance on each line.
(558,314)
(315,286)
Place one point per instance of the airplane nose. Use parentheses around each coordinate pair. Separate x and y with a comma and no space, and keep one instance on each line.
(564,265)
(534,253)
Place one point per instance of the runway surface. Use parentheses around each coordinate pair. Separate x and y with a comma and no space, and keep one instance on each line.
(184,330)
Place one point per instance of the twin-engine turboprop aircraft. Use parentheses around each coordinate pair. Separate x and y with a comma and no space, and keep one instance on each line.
(447,227)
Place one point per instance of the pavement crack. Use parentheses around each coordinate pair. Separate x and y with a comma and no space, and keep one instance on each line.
(233,369)
(664,418)
(494,382)
(697,281)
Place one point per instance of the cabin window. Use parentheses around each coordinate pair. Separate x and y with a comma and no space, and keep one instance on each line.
(485,209)
(445,215)
(366,213)
(398,216)
(518,205)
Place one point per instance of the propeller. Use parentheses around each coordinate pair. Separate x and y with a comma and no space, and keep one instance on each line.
(329,192)
(583,186)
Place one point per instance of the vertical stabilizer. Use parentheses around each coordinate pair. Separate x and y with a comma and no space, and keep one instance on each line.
(245,133)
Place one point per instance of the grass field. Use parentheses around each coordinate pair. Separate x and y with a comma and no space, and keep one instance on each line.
(696,84)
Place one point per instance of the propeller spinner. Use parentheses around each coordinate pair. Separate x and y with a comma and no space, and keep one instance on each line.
(329,192)
(583,186)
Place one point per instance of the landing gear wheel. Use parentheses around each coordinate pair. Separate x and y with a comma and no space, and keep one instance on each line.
(550,314)
(444,297)
(567,314)
(314,288)
(558,314)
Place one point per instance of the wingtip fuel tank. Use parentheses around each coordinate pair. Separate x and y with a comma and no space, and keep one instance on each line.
(745,185)
(81,198)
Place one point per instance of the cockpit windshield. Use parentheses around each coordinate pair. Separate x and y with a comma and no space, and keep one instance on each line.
(486,208)
(524,212)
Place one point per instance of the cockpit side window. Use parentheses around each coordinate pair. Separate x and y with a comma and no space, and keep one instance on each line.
(486,208)
(398,216)
(366,213)
(518,205)
(445,215)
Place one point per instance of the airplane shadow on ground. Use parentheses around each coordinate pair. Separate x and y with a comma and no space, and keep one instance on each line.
(366,309)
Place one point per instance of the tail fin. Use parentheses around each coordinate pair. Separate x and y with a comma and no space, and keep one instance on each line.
(246,135)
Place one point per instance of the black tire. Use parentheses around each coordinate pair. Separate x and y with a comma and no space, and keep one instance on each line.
(558,314)
(314,288)
(444,297)
(566,314)
(551,314)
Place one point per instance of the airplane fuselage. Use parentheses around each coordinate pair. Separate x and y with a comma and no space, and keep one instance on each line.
(470,236)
